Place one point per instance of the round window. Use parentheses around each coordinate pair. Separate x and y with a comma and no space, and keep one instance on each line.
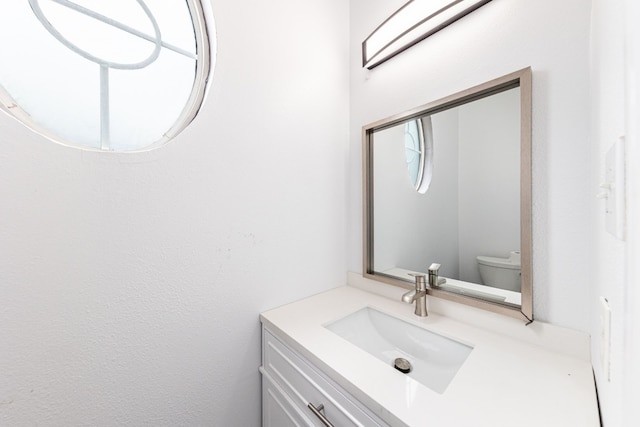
(117,75)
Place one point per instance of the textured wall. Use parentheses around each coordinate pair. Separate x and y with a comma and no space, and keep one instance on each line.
(130,285)
(615,94)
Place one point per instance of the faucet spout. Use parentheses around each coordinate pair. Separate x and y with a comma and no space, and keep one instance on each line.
(434,281)
(411,296)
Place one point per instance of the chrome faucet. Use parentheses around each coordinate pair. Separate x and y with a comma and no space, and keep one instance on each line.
(419,295)
(434,281)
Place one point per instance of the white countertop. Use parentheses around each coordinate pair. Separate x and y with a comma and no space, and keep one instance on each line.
(503,382)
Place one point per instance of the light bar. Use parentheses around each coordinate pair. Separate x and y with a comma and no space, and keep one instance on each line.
(413,22)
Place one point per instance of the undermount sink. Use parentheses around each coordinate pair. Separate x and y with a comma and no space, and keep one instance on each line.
(434,359)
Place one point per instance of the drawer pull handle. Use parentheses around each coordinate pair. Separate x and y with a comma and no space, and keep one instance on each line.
(318,414)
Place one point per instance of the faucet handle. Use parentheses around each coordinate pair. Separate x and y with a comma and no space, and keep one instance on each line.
(433,268)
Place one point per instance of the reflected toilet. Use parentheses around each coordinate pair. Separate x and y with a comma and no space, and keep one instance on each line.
(503,273)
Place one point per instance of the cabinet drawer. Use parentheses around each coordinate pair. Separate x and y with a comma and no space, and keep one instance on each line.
(277,408)
(304,384)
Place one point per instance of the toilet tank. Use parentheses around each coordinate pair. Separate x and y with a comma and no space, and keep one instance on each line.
(503,273)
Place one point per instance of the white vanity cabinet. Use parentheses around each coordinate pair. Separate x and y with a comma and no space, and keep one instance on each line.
(291,385)
(525,376)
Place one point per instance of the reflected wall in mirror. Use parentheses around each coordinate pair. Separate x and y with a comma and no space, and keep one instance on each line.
(450,183)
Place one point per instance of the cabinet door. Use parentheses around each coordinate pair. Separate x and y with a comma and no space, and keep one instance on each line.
(304,384)
(277,408)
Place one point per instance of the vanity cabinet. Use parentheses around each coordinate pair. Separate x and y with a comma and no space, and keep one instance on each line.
(297,393)
(516,375)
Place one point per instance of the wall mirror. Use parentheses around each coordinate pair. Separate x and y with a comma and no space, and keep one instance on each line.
(450,183)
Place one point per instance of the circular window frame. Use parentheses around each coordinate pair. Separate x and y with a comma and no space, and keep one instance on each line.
(205,48)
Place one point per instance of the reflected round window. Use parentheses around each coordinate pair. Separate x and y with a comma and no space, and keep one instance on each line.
(418,150)
(414,150)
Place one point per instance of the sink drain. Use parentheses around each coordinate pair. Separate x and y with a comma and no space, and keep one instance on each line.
(402,365)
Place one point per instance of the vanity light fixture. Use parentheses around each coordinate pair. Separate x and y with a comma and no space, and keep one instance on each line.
(412,23)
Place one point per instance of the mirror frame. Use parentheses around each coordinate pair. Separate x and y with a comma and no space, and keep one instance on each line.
(520,78)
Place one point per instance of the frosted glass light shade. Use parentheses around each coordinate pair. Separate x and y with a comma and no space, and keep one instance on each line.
(413,22)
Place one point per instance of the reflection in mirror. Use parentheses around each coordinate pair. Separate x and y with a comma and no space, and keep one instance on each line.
(418,150)
(449,183)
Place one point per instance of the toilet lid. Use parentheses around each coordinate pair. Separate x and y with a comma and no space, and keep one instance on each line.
(498,262)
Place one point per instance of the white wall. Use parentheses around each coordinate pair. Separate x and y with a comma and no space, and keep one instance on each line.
(615,92)
(631,347)
(130,285)
(501,37)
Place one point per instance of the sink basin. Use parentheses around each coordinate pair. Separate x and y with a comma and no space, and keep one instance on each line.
(434,359)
